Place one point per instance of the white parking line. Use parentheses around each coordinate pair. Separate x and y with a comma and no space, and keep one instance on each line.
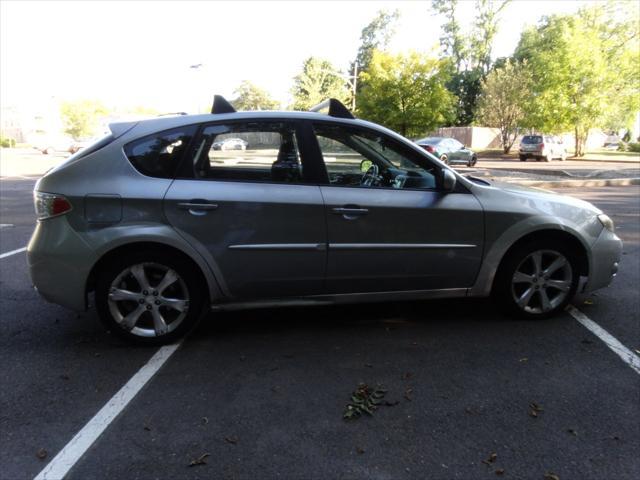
(76,448)
(623,352)
(6,225)
(12,252)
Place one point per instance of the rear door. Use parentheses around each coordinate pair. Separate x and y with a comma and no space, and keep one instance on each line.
(390,228)
(250,209)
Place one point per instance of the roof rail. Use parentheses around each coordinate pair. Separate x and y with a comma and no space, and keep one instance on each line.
(220,105)
(171,114)
(336,108)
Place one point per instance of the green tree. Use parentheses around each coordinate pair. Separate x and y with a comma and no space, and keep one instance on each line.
(584,70)
(250,97)
(452,41)
(318,81)
(469,53)
(485,29)
(407,93)
(375,36)
(81,118)
(502,103)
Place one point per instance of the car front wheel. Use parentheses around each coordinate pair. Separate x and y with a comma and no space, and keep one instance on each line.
(472,161)
(537,280)
(151,298)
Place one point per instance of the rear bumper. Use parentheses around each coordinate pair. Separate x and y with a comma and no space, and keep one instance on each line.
(59,263)
(605,257)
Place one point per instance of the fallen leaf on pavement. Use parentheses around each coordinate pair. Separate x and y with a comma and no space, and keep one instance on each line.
(500,471)
(587,342)
(523,359)
(201,460)
(588,301)
(147,428)
(41,454)
(391,403)
(406,376)
(64,376)
(368,365)
(572,432)
(551,476)
(231,440)
(205,420)
(360,450)
(407,394)
(535,409)
(492,458)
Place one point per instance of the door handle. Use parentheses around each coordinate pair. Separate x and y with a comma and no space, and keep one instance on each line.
(197,208)
(350,213)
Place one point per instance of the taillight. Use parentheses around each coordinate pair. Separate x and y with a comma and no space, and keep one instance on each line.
(50,205)
(428,148)
(541,147)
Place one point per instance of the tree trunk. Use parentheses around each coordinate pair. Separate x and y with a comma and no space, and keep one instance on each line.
(581,135)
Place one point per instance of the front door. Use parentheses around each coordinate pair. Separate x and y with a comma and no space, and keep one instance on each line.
(244,198)
(389,227)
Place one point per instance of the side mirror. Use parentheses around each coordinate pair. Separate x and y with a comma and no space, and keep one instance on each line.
(365,165)
(448,180)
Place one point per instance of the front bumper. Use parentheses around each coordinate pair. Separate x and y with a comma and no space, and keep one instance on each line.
(605,258)
(59,263)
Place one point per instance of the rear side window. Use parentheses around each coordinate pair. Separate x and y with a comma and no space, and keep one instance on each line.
(263,151)
(159,155)
(531,139)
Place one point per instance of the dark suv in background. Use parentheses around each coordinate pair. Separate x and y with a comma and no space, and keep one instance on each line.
(542,147)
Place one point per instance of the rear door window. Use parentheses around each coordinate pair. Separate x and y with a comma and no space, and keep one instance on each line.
(256,151)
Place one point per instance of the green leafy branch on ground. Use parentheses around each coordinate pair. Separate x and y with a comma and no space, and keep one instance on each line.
(364,400)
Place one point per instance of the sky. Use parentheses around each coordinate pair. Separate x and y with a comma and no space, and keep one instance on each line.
(140,53)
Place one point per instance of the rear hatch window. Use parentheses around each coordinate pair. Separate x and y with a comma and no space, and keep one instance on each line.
(531,139)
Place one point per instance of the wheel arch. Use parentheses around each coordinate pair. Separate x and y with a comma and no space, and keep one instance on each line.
(495,257)
(552,235)
(212,291)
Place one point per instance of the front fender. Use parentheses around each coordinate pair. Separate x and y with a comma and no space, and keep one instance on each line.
(586,234)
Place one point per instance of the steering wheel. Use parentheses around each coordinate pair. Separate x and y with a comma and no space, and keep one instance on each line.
(370,177)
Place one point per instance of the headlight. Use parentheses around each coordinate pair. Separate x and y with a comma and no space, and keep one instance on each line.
(606,222)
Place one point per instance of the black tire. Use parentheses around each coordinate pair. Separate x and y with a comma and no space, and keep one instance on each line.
(189,280)
(523,158)
(473,161)
(505,291)
(444,159)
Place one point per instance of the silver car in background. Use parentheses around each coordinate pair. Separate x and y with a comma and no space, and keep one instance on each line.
(162,226)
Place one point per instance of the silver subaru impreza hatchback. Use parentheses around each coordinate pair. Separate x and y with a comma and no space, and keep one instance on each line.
(162,225)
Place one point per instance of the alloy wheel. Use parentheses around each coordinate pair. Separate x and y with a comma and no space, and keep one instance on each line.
(148,299)
(542,281)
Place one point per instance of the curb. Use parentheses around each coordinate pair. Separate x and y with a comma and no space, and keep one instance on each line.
(611,182)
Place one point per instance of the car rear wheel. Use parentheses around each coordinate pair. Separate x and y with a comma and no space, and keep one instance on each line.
(444,159)
(537,280)
(523,158)
(548,157)
(150,298)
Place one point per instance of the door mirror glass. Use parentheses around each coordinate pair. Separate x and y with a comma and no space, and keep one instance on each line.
(448,180)
(365,165)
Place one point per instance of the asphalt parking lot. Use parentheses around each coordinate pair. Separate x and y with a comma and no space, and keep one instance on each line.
(261,393)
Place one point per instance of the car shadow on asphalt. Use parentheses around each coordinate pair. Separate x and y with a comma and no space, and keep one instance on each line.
(334,318)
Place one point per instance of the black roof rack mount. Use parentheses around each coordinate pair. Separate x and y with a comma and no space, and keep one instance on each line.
(336,109)
(220,105)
